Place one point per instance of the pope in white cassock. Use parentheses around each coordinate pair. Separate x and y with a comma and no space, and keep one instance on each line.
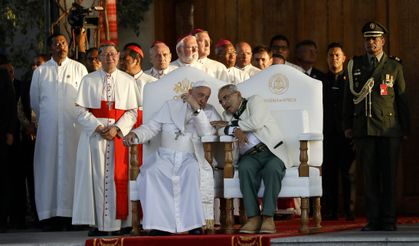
(107,109)
(53,90)
(169,180)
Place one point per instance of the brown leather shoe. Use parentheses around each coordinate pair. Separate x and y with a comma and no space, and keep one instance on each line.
(268,225)
(252,225)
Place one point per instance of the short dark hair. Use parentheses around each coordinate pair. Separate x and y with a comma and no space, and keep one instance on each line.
(334,45)
(51,38)
(43,56)
(262,48)
(279,37)
(132,53)
(307,42)
(91,50)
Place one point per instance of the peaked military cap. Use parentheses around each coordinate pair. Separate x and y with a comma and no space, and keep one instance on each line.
(373,29)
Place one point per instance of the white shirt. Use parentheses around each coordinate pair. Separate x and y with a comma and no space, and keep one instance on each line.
(158,74)
(236,76)
(250,70)
(214,68)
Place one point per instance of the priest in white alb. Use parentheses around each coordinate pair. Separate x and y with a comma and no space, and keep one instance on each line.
(212,67)
(171,179)
(107,105)
(53,90)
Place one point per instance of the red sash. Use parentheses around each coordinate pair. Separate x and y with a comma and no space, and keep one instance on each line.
(121,159)
(140,146)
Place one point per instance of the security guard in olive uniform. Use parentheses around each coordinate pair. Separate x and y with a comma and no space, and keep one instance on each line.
(376,116)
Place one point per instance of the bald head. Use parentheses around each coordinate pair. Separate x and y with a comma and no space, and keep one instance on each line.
(160,56)
(244,54)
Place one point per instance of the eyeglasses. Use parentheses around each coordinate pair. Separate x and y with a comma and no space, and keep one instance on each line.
(110,54)
(227,97)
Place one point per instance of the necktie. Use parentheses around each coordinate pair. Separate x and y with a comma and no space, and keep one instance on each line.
(374,62)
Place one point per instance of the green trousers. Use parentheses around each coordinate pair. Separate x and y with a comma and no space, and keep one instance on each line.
(378,156)
(252,170)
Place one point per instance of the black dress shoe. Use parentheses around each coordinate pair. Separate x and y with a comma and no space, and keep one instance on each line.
(371,227)
(389,227)
(159,233)
(94,232)
(196,231)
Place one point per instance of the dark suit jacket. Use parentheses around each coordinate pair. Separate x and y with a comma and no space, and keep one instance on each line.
(333,93)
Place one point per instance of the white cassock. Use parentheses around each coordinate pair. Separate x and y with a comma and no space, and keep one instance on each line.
(170,180)
(141,79)
(95,191)
(53,91)
(236,76)
(214,68)
(158,74)
(250,70)
(178,63)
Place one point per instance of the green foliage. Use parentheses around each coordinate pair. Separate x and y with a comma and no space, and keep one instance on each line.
(21,29)
(131,13)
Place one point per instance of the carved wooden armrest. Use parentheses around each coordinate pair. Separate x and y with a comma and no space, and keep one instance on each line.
(303,169)
(228,158)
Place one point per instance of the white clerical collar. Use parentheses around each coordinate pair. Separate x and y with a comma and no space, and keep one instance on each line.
(112,74)
(138,75)
(158,72)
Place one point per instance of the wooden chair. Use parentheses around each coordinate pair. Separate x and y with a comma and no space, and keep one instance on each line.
(155,94)
(295,101)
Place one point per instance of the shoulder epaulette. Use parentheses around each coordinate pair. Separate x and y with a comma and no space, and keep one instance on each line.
(396,58)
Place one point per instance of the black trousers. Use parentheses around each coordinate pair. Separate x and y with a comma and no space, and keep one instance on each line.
(378,157)
(338,158)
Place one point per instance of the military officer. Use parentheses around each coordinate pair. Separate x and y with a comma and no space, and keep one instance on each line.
(376,117)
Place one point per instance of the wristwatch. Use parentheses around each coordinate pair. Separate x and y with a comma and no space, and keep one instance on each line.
(197,111)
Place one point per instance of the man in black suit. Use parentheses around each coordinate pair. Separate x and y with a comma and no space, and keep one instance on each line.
(306,56)
(338,153)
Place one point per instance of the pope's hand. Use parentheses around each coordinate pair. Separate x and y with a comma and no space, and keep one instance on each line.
(186,97)
(130,139)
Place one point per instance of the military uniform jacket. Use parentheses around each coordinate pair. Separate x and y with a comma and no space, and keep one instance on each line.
(389,109)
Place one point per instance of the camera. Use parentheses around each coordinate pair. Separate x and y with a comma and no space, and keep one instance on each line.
(78,17)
